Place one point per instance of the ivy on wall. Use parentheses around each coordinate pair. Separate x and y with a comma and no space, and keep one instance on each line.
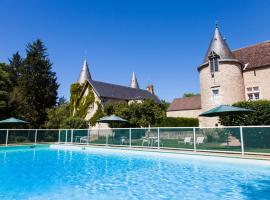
(79,105)
(98,114)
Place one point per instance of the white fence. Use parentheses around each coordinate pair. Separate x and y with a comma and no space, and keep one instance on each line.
(236,140)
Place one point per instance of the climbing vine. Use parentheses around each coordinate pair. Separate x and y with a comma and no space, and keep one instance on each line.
(98,114)
(79,104)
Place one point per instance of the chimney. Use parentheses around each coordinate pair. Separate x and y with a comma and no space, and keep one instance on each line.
(150,88)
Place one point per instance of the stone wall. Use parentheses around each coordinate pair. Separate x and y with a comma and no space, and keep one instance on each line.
(230,83)
(258,78)
(184,113)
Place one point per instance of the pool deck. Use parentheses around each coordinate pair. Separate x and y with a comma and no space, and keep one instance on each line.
(254,156)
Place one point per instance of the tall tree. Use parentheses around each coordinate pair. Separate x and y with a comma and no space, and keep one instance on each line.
(37,85)
(4,88)
(14,68)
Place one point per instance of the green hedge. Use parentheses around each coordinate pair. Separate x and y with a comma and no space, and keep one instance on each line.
(253,137)
(178,122)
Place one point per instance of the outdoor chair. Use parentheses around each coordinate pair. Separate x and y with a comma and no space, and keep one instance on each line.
(199,140)
(156,142)
(187,140)
(84,139)
(123,140)
(145,140)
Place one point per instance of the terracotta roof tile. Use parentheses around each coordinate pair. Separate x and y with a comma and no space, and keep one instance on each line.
(256,56)
(186,103)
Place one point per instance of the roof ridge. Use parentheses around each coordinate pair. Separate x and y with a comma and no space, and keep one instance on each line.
(187,97)
(121,86)
(253,45)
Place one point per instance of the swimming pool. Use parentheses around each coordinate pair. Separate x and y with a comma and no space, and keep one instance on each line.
(96,173)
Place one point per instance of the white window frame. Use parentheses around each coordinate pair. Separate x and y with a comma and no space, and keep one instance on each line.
(215,96)
(253,90)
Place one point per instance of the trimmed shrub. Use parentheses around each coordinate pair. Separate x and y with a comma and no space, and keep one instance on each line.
(253,137)
(178,122)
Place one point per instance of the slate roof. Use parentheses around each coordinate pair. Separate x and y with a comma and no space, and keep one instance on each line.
(186,103)
(85,73)
(114,91)
(219,46)
(256,56)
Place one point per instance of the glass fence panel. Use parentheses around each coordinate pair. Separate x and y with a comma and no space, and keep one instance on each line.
(3,134)
(21,136)
(138,137)
(62,135)
(97,136)
(118,137)
(177,138)
(47,136)
(256,139)
(145,137)
(218,139)
(80,136)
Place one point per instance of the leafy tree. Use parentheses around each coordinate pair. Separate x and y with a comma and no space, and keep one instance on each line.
(37,85)
(255,136)
(4,88)
(57,116)
(190,94)
(62,100)
(259,116)
(138,114)
(73,123)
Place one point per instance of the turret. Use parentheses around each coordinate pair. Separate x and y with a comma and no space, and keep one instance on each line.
(134,82)
(221,78)
(85,73)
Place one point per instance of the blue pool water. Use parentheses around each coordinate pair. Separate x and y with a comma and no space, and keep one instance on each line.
(45,173)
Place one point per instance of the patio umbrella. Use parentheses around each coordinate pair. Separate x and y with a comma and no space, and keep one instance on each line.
(112,118)
(13,120)
(225,110)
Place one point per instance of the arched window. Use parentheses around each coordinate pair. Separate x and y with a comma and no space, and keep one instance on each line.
(213,61)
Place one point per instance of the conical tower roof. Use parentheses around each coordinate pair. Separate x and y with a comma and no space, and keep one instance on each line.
(219,46)
(85,73)
(134,82)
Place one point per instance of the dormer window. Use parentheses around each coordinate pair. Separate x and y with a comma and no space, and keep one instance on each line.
(213,61)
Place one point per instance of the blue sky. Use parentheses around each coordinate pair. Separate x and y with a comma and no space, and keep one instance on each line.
(163,41)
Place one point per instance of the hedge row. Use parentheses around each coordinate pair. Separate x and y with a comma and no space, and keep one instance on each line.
(178,122)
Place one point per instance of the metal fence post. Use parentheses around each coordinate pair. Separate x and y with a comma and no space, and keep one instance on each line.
(59,135)
(194,139)
(130,137)
(107,137)
(88,136)
(242,141)
(36,137)
(7,138)
(71,136)
(66,137)
(158,137)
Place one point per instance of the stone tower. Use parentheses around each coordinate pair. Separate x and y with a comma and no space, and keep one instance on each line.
(221,78)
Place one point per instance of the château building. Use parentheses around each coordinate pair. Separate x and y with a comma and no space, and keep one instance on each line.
(94,95)
(227,77)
